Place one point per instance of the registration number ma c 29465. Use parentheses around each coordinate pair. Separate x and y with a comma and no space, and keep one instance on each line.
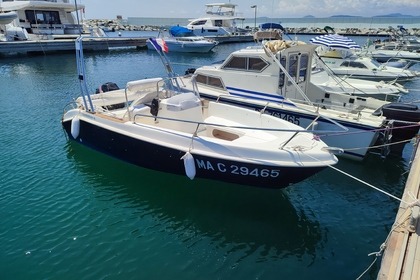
(237,169)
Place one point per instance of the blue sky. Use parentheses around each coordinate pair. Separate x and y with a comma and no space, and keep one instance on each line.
(99,9)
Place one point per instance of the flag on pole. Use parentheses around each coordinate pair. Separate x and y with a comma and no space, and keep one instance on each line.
(159,44)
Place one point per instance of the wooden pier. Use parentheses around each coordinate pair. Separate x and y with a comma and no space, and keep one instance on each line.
(401,259)
(65,45)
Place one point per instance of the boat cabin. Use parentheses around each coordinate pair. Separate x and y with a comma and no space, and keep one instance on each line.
(44,17)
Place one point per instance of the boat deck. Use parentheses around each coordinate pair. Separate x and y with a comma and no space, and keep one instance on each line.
(401,258)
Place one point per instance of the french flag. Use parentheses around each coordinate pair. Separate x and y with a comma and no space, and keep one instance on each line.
(159,44)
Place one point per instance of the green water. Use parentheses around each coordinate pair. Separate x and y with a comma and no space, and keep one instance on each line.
(68,212)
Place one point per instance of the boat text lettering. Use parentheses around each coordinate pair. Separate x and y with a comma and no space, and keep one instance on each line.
(237,170)
(286,117)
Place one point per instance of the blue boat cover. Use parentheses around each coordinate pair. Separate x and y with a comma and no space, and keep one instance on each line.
(179,31)
(270,25)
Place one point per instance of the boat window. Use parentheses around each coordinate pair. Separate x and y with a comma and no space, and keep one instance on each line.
(215,82)
(199,22)
(209,81)
(42,17)
(355,64)
(282,75)
(376,63)
(304,58)
(201,79)
(293,66)
(218,22)
(238,63)
(257,64)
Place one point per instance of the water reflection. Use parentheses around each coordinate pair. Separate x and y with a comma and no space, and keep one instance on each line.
(257,222)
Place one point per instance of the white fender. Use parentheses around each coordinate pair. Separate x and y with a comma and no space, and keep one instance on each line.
(75,127)
(189,165)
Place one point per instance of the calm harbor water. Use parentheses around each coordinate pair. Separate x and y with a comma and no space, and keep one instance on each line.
(72,213)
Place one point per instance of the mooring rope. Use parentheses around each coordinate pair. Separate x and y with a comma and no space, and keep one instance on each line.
(373,130)
(396,224)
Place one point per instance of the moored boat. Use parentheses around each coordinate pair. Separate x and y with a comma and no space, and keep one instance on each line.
(256,78)
(182,39)
(154,125)
(220,23)
(44,20)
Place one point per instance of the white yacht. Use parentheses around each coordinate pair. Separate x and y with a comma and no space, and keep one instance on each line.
(256,78)
(220,23)
(44,19)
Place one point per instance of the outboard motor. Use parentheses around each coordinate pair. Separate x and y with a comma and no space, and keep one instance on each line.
(106,87)
(402,117)
(109,86)
(190,71)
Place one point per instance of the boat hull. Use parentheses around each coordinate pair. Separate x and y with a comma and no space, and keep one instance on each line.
(185,47)
(153,156)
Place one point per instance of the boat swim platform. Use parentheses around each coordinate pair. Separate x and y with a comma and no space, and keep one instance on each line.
(66,45)
(401,256)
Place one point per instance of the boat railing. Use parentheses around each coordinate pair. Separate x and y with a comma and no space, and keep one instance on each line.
(230,135)
(69,106)
(315,109)
(199,124)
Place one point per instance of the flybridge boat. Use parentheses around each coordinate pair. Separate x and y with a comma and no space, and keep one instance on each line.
(153,124)
(46,19)
(256,78)
(221,24)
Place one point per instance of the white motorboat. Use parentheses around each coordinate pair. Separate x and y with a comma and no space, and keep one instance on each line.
(161,128)
(386,55)
(331,83)
(363,67)
(220,23)
(182,39)
(256,78)
(400,39)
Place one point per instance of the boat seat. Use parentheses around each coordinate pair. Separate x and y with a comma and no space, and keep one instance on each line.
(181,112)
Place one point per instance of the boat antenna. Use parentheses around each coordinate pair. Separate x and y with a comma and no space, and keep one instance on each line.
(77,17)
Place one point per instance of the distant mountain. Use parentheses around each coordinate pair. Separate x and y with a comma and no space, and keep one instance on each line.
(395,15)
(309,16)
(344,16)
(389,15)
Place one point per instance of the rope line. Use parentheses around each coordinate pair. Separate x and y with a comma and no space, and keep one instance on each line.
(382,247)
(374,130)
(379,146)
(367,184)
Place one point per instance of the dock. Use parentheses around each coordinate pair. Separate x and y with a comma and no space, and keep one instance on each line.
(401,258)
(66,45)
